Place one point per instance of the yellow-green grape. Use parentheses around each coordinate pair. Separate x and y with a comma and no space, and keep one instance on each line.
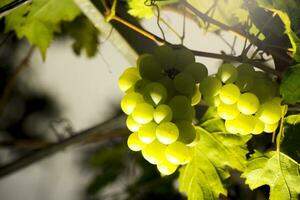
(177,153)
(157,92)
(245,123)
(197,70)
(227,111)
(248,103)
(232,126)
(143,113)
(130,101)
(265,89)
(166,167)
(227,73)
(154,152)
(210,86)
(187,132)
(183,58)
(131,70)
(127,80)
(167,132)
(196,98)
(270,128)
(181,108)
(229,93)
(165,55)
(197,137)
(131,124)
(149,68)
(140,85)
(162,113)
(245,77)
(146,132)
(134,143)
(258,127)
(212,100)
(168,83)
(184,83)
(269,112)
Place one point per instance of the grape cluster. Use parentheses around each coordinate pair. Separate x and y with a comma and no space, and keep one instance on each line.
(246,99)
(160,96)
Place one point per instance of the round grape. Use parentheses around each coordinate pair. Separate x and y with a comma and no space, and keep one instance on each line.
(227,73)
(177,153)
(270,128)
(227,111)
(130,101)
(157,92)
(258,127)
(162,113)
(245,124)
(149,68)
(212,100)
(167,132)
(269,112)
(134,143)
(127,80)
(184,57)
(143,113)
(184,83)
(187,132)
(229,94)
(154,152)
(131,124)
(197,70)
(181,108)
(248,103)
(196,98)
(165,55)
(210,86)
(166,168)
(146,132)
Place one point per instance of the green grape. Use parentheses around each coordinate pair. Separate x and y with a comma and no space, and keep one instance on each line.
(146,132)
(154,152)
(183,58)
(210,86)
(227,73)
(149,68)
(181,108)
(232,126)
(177,153)
(196,98)
(245,123)
(264,89)
(248,103)
(134,143)
(198,71)
(245,79)
(140,85)
(167,132)
(127,81)
(131,124)
(157,92)
(143,113)
(166,168)
(130,101)
(229,94)
(131,70)
(212,100)
(168,83)
(227,111)
(184,83)
(245,69)
(165,55)
(187,132)
(270,128)
(258,127)
(197,137)
(162,113)
(269,112)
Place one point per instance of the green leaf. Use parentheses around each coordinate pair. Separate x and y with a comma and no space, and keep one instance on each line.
(282,175)
(85,35)
(290,85)
(211,122)
(39,20)
(293,119)
(291,141)
(139,9)
(202,177)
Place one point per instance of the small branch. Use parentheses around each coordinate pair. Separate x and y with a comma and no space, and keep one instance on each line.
(99,131)
(11,82)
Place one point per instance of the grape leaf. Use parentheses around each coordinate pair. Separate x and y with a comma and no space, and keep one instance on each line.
(293,119)
(85,35)
(139,9)
(282,177)
(211,122)
(39,20)
(202,177)
(291,141)
(290,85)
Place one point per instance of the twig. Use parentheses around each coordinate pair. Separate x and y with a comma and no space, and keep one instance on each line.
(11,82)
(96,131)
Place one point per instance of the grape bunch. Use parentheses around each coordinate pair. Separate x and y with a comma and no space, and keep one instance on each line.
(246,99)
(160,95)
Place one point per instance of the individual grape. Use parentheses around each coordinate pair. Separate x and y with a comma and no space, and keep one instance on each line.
(183,58)
(210,86)
(130,101)
(244,69)
(143,113)
(165,55)
(162,113)
(197,70)
(245,79)
(197,137)
(245,123)
(269,112)
(181,108)
(149,68)
(177,153)
(258,127)
(184,83)
(140,85)
(166,168)
(168,83)
(270,128)
(229,94)
(146,132)
(264,89)
(212,100)
(131,70)
(232,126)
(227,111)
(154,152)
(196,98)
(167,132)
(187,132)
(157,92)
(227,73)
(248,103)
(131,124)
(127,80)
(134,143)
